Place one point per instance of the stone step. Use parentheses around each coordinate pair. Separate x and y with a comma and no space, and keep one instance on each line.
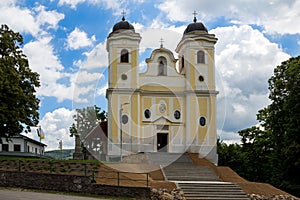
(217,191)
(208,192)
(217,198)
(191,179)
(184,170)
(215,195)
(188,170)
(199,186)
(211,189)
(190,173)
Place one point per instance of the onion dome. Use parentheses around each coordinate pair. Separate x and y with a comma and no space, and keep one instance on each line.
(196,26)
(124,25)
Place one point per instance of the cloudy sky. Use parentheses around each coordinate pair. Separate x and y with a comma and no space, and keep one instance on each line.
(65,43)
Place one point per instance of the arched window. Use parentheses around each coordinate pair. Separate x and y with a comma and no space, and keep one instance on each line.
(200,57)
(124,56)
(162,66)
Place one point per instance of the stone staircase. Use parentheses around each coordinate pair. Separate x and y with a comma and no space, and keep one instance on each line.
(196,182)
(211,190)
(164,159)
(189,172)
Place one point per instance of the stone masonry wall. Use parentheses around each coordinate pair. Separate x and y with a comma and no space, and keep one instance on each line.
(68,183)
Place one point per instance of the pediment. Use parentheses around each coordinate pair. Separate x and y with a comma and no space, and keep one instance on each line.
(161,52)
(162,120)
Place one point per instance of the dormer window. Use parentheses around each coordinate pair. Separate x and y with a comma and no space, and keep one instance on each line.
(200,57)
(124,56)
(162,66)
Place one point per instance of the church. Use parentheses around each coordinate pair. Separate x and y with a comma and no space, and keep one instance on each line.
(171,107)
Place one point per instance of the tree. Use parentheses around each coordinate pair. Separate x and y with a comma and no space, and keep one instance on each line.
(19,104)
(256,151)
(281,120)
(271,153)
(231,155)
(86,120)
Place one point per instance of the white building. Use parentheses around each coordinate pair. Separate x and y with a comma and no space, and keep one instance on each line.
(21,145)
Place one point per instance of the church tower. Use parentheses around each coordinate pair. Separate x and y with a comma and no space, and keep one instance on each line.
(123,56)
(197,63)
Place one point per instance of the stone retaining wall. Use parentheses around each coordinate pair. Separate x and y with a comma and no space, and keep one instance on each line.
(68,183)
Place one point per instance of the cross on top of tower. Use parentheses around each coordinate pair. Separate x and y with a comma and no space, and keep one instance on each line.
(161,42)
(123,13)
(195,14)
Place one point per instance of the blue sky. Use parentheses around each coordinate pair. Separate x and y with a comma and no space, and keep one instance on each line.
(65,43)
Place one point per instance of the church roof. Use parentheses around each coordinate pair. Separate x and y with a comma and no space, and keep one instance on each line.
(195,26)
(124,25)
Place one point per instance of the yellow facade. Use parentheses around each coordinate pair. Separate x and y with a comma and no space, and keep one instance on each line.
(161,109)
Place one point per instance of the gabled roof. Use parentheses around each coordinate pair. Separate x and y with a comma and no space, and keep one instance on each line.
(160,50)
(27,139)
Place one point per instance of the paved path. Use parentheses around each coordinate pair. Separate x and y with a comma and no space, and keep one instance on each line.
(15,194)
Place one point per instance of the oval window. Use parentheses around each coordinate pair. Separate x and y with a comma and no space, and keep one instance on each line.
(201,78)
(177,114)
(123,77)
(124,119)
(147,113)
(202,121)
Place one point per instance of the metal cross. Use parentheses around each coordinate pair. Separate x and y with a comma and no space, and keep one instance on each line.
(161,42)
(123,13)
(195,14)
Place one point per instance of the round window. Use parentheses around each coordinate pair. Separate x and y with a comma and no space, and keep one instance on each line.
(124,77)
(202,121)
(147,113)
(201,78)
(177,114)
(124,119)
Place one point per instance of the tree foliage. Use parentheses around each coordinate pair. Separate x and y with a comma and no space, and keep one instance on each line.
(281,120)
(19,104)
(86,119)
(271,153)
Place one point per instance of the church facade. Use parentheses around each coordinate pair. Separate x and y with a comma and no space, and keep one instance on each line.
(169,108)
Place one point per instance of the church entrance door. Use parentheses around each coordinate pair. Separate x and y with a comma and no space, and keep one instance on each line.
(162,142)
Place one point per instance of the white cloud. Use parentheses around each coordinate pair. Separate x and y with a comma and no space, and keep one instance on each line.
(245,60)
(229,137)
(96,58)
(71,3)
(151,38)
(51,18)
(55,125)
(83,76)
(28,21)
(40,52)
(79,39)
(115,5)
(18,19)
(75,86)
(275,16)
(102,90)
(43,60)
